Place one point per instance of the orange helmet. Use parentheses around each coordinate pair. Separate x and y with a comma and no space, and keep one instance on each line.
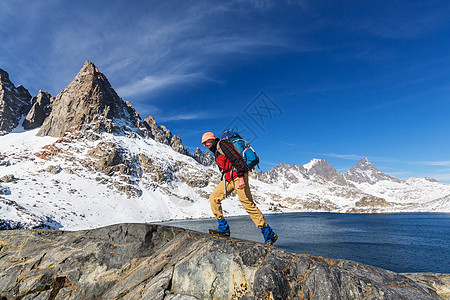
(208,136)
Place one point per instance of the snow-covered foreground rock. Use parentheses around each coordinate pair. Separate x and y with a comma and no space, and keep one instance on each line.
(92,161)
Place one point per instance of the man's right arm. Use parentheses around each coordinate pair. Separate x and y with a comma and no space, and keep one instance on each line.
(234,156)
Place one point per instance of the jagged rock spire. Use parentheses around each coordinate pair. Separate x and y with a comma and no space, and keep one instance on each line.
(40,109)
(163,135)
(205,159)
(13,103)
(90,103)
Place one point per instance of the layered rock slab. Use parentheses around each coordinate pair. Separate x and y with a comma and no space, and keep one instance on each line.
(145,261)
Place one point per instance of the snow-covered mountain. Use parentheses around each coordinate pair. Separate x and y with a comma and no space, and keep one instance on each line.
(365,172)
(90,160)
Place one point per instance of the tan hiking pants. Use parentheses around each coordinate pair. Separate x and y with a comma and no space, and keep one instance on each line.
(245,197)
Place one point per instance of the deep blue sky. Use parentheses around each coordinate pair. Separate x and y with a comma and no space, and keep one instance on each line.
(348,79)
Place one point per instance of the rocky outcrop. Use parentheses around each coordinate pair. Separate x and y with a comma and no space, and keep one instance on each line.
(111,159)
(14,102)
(371,201)
(163,135)
(89,103)
(40,109)
(205,159)
(144,261)
(365,172)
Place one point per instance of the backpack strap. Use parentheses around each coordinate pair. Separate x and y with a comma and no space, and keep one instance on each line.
(218,149)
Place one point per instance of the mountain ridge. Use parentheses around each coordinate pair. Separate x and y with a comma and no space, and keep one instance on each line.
(112,165)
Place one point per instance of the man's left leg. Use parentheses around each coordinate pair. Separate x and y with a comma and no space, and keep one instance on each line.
(246,199)
(215,200)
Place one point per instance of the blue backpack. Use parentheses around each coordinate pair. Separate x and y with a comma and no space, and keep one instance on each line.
(249,155)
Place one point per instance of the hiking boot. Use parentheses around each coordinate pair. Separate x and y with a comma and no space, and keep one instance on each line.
(223,228)
(217,232)
(273,239)
(269,236)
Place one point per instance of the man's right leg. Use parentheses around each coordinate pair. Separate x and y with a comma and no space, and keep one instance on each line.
(215,200)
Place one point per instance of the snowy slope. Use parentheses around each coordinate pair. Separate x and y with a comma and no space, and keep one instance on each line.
(413,190)
(77,197)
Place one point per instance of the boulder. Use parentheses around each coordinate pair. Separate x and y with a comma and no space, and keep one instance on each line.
(145,261)
(8,178)
(53,169)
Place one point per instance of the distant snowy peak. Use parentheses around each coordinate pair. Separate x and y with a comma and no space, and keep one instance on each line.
(283,173)
(415,179)
(312,163)
(316,169)
(90,103)
(321,168)
(365,172)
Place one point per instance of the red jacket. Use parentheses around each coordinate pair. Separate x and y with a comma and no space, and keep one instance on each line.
(229,158)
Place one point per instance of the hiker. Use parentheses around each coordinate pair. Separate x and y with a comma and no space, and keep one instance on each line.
(234,177)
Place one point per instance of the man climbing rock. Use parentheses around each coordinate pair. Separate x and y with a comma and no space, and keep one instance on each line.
(235,177)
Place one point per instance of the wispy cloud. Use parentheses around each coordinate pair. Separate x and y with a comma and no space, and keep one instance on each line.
(187,116)
(386,159)
(441,177)
(356,157)
(270,163)
(141,48)
(433,163)
(154,82)
(342,156)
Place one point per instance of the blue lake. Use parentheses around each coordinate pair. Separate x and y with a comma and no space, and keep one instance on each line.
(403,242)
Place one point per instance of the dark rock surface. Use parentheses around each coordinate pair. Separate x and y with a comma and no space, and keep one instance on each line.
(144,261)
